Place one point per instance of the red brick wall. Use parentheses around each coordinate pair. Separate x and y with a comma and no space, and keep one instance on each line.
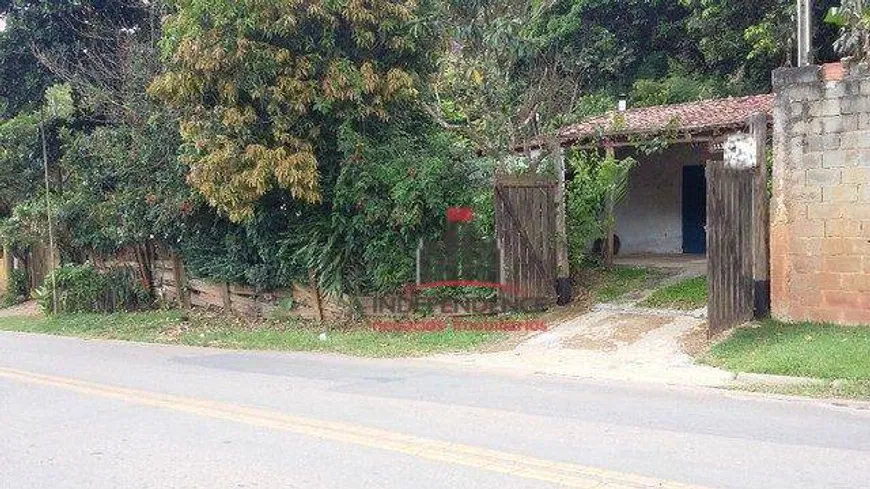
(820,212)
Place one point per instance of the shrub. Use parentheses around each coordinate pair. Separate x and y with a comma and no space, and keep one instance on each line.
(83,288)
(18,289)
(19,284)
(594,177)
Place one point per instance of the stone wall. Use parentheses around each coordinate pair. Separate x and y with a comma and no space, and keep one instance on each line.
(820,211)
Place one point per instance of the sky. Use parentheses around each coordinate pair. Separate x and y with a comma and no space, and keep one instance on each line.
(2,24)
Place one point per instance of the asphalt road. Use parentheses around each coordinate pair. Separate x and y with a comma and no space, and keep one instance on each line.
(88,414)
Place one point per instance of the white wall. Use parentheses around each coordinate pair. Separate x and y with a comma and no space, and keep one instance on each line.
(650,218)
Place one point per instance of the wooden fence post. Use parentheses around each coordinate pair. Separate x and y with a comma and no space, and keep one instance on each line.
(760,218)
(225,296)
(315,290)
(564,292)
(180,278)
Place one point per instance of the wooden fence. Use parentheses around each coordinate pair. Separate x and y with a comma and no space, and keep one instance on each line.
(302,301)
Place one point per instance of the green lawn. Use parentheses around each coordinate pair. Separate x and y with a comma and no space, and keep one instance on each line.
(806,350)
(686,295)
(607,285)
(177,327)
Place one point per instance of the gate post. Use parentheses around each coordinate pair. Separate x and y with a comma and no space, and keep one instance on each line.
(564,292)
(760,219)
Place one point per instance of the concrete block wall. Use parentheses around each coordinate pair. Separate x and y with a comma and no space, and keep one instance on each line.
(820,210)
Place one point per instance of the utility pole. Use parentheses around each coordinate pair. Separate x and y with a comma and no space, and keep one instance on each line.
(805,32)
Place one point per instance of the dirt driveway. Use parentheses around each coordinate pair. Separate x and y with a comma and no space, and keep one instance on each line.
(618,340)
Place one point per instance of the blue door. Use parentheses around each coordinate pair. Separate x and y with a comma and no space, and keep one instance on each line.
(694,210)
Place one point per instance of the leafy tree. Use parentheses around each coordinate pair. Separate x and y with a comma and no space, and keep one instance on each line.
(517,70)
(744,41)
(397,181)
(261,86)
(118,184)
(853,20)
(20,161)
(66,29)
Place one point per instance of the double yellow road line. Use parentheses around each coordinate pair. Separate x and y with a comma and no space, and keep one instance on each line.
(558,473)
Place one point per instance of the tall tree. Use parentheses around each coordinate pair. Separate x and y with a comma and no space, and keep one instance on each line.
(64,27)
(746,40)
(262,86)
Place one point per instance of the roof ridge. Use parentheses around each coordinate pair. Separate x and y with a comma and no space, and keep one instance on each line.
(677,105)
(712,112)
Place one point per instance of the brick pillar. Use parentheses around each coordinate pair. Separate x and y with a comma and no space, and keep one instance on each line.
(820,211)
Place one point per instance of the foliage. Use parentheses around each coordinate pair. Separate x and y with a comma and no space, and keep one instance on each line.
(594,178)
(853,20)
(18,288)
(124,187)
(330,136)
(20,160)
(19,283)
(392,191)
(63,28)
(26,226)
(262,86)
(679,87)
(687,294)
(83,288)
(742,41)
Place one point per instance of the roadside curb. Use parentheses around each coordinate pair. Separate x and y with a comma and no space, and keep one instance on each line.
(748,379)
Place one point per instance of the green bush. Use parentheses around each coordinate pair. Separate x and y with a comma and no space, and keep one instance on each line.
(594,177)
(83,288)
(18,289)
(19,284)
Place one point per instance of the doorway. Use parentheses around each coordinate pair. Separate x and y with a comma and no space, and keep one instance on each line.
(694,210)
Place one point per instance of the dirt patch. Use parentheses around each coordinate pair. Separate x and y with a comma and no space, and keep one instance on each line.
(695,342)
(632,327)
(625,330)
(26,309)
(586,342)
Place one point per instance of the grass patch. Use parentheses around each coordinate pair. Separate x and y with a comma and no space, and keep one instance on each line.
(607,285)
(805,350)
(203,329)
(686,295)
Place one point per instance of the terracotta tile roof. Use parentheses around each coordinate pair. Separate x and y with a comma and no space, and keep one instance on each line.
(690,118)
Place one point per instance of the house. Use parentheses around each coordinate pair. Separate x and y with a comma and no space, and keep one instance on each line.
(664,211)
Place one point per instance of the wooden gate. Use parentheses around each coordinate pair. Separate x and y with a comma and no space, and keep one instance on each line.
(525,219)
(729,246)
